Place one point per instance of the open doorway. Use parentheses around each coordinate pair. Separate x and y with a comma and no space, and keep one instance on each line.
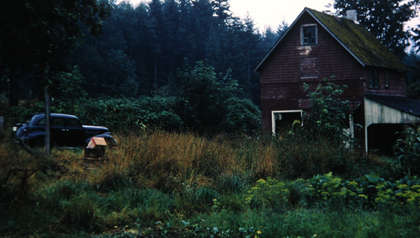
(284,120)
(383,137)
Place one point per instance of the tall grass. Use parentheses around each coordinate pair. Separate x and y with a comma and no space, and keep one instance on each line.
(177,182)
(303,158)
(168,161)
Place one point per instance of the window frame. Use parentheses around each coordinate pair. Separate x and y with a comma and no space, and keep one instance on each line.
(73,123)
(302,34)
(374,78)
(276,112)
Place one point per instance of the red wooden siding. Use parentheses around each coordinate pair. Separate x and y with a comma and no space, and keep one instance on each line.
(281,73)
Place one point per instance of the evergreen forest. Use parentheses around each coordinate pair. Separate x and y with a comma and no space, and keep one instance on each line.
(174,81)
(140,49)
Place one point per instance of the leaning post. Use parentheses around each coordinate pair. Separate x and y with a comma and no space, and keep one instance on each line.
(47,122)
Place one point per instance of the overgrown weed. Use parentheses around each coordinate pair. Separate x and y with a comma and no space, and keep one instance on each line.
(180,183)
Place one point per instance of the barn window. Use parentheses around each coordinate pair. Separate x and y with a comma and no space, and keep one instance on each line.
(309,35)
(374,78)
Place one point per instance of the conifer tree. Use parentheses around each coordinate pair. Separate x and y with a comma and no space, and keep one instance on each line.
(385,19)
(36,36)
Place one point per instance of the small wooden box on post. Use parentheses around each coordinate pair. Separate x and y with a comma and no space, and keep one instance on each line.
(95,148)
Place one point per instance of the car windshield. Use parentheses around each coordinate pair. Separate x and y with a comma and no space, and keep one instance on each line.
(40,122)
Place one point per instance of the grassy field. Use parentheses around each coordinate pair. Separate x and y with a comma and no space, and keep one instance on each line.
(161,184)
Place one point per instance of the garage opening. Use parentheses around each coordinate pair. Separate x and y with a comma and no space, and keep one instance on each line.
(284,120)
(382,138)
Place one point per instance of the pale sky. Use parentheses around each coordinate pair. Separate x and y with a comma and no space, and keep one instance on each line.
(268,12)
(272,12)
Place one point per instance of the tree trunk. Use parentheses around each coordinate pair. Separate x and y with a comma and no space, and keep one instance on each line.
(13,88)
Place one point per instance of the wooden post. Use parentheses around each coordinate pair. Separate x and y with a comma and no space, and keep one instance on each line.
(47,122)
(1,126)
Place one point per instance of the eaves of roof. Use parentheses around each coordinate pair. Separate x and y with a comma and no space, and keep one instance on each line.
(403,104)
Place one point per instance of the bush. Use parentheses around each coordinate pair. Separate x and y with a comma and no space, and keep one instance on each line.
(328,115)
(242,117)
(268,194)
(207,103)
(132,115)
(211,104)
(408,150)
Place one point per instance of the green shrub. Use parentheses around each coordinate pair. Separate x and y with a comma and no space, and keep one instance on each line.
(328,115)
(242,116)
(268,194)
(211,104)
(408,150)
(232,202)
(368,192)
(132,115)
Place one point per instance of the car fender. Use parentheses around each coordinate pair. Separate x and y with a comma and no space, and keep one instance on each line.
(20,129)
(34,138)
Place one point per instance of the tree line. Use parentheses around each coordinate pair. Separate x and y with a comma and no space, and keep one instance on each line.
(140,49)
(127,51)
(143,47)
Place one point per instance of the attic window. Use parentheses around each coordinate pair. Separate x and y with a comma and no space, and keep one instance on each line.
(374,78)
(309,34)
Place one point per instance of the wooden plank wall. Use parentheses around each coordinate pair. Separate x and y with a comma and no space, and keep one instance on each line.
(281,77)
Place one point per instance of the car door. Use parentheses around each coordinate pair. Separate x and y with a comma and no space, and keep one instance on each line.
(58,131)
(75,132)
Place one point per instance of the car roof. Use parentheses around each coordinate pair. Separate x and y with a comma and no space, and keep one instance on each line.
(38,116)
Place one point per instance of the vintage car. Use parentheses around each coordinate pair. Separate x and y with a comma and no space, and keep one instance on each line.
(65,130)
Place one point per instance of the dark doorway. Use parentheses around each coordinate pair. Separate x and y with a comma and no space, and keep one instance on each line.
(382,138)
(284,121)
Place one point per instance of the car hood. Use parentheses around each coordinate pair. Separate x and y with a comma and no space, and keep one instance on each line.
(94,127)
(100,129)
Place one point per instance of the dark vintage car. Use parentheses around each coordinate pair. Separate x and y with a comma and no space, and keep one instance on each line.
(66,130)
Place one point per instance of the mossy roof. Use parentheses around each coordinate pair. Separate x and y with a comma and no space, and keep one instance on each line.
(355,38)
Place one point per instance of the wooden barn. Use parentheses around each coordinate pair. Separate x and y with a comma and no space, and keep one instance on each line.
(317,46)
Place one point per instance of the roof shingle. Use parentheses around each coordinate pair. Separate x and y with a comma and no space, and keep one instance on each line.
(358,40)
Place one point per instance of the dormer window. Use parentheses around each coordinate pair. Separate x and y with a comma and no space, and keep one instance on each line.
(309,34)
